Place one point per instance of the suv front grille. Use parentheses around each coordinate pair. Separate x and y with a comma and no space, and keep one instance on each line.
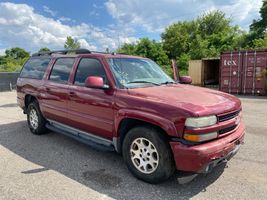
(228,129)
(228,116)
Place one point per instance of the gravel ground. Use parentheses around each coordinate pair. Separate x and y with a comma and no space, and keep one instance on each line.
(53,166)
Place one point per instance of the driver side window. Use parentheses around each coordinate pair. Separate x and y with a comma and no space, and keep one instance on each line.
(89,67)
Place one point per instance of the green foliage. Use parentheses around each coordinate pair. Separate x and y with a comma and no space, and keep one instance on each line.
(71,43)
(258,27)
(149,49)
(129,49)
(16,53)
(13,60)
(183,61)
(257,31)
(44,49)
(206,36)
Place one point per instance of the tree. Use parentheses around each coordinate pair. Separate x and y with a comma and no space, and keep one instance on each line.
(13,60)
(146,48)
(44,49)
(16,53)
(257,28)
(127,49)
(206,36)
(149,49)
(176,38)
(261,42)
(71,43)
(153,50)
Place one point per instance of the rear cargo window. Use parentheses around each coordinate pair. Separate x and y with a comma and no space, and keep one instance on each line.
(61,70)
(35,68)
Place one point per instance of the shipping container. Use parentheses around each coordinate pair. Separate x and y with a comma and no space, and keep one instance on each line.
(243,72)
(204,72)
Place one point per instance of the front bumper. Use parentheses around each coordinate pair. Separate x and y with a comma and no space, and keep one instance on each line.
(201,158)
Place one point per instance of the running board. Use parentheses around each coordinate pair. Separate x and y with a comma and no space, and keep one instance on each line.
(86,138)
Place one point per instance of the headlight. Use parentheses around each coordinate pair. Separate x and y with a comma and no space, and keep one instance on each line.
(198,122)
(200,137)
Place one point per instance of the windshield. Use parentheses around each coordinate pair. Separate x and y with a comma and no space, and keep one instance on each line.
(138,72)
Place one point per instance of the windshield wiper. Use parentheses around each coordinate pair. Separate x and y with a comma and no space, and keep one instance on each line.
(167,82)
(143,82)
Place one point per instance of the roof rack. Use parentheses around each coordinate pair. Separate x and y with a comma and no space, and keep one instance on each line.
(64,52)
(112,53)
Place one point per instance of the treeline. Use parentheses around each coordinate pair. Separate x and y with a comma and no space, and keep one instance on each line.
(15,57)
(206,36)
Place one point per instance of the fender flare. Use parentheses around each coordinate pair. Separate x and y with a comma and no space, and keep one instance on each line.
(165,124)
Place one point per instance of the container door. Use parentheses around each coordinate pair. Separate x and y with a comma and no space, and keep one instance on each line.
(231,72)
(253,72)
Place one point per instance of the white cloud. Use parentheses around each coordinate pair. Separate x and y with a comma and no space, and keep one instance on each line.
(154,16)
(94,13)
(65,19)
(97,6)
(49,11)
(21,26)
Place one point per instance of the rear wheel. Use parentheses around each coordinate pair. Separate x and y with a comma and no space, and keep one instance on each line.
(147,154)
(36,121)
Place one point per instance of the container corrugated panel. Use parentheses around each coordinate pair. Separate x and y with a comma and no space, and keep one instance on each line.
(243,72)
(231,72)
(254,65)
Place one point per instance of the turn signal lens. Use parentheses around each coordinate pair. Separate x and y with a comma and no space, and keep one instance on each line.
(200,137)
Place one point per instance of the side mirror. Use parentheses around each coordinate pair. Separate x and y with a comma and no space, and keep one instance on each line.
(95,82)
(185,79)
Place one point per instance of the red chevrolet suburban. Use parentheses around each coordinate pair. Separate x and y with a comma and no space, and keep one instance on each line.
(128,104)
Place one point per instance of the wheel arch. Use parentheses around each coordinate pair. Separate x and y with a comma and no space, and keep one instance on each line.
(126,121)
(28,99)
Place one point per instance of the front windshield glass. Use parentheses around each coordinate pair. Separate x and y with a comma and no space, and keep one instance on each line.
(138,72)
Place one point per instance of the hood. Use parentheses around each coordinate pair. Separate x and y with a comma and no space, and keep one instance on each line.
(196,100)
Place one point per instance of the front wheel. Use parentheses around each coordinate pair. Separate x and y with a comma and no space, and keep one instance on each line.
(147,154)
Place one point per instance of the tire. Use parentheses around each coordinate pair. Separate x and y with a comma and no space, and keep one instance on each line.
(148,155)
(36,121)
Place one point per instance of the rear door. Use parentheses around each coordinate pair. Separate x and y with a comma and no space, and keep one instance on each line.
(56,90)
(91,109)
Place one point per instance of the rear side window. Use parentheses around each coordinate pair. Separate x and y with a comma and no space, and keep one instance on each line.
(35,68)
(89,67)
(61,70)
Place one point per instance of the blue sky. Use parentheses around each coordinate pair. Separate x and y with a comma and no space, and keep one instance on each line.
(101,24)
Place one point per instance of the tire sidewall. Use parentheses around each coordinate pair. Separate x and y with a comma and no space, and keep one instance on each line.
(34,106)
(165,167)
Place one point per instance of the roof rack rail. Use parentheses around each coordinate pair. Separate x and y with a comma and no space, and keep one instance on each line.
(64,52)
(100,52)
(112,53)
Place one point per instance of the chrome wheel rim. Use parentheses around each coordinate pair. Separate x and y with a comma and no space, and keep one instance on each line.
(33,118)
(144,155)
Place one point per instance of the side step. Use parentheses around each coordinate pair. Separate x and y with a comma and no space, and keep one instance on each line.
(93,141)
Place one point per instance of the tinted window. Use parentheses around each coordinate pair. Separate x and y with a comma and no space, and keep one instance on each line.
(89,67)
(35,68)
(61,70)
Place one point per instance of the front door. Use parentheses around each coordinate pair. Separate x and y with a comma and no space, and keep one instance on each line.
(90,109)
